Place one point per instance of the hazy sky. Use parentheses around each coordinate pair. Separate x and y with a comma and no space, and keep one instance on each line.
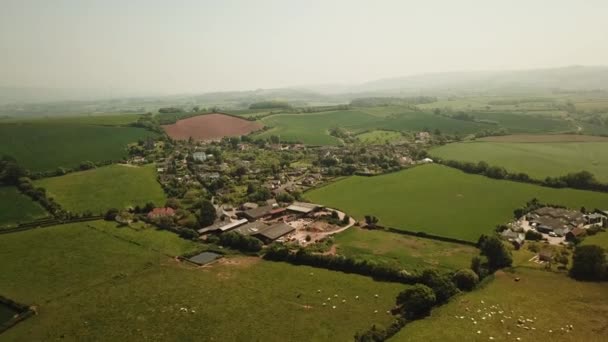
(193,46)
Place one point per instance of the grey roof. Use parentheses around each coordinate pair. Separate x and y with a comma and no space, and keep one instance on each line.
(251,228)
(223,226)
(258,212)
(303,207)
(204,258)
(276,231)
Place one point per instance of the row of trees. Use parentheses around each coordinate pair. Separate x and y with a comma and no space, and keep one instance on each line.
(584,180)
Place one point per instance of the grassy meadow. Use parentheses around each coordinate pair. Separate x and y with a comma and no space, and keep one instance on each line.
(45,145)
(16,208)
(408,252)
(114,186)
(538,160)
(379,137)
(553,301)
(599,239)
(443,201)
(96,284)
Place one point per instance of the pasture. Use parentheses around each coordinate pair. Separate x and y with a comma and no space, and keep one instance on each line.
(378,137)
(538,160)
(17,208)
(96,190)
(408,252)
(599,239)
(442,201)
(552,301)
(106,119)
(314,128)
(210,127)
(89,284)
(48,144)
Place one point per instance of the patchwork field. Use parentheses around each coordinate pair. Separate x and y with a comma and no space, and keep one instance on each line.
(47,145)
(405,251)
(210,126)
(91,285)
(96,190)
(314,128)
(16,208)
(443,201)
(538,160)
(552,301)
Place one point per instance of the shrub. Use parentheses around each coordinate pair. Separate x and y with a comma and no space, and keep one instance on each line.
(588,263)
(416,301)
(442,285)
(465,279)
(533,235)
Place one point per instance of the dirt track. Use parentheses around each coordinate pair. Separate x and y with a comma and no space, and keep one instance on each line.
(210,127)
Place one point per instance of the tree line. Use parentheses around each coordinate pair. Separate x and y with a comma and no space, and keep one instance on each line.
(583,180)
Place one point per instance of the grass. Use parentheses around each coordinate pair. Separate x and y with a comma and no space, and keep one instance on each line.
(17,208)
(538,160)
(406,251)
(551,300)
(90,285)
(599,239)
(47,145)
(106,119)
(313,129)
(378,137)
(96,190)
(442,201)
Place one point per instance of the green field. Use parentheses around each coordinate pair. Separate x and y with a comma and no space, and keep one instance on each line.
(404,251)
(599,239)
(106,119)
(551,300)
(96,190)
(314,128)
(538,160)
(378,137)
(47,145)
(443,201)
(90,285)
(16,208)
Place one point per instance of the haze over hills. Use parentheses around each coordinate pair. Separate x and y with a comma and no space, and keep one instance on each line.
(530,82)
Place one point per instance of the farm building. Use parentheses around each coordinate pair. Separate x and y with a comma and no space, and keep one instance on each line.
(597,219)
(161,212)
(222,226)
(556,220)
(199,156)
(575,233)
(251,228)
(274,232)
(304,208)
(249,205)
(204,258)
(256,213)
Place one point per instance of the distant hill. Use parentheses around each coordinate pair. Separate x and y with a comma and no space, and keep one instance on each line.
(573,78)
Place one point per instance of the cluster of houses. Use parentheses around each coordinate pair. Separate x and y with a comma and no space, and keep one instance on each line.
(555,224)
(268,223)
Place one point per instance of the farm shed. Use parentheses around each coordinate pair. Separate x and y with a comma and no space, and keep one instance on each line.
(304,208)
(222,226)
(274,232)
(251,228)
(204,258)
(575,233)
(256,213)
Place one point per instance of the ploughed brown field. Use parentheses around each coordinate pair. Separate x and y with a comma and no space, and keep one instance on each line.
(210,126)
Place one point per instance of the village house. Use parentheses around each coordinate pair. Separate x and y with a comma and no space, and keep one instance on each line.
(199,156)
(161,212)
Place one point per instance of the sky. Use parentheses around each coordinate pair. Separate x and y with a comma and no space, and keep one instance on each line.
(180,46)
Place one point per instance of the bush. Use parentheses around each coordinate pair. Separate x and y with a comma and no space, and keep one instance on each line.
(496,252)
(417,301)
(240,242)
(442,285)
(110,215)
(465,279)
(533,235)
(588,263)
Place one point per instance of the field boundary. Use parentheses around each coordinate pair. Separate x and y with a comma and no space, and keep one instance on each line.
(425,235)
(23,312)
(47,223)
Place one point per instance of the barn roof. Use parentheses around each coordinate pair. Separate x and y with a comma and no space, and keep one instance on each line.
(276,231)
(303,207)
(251,228)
